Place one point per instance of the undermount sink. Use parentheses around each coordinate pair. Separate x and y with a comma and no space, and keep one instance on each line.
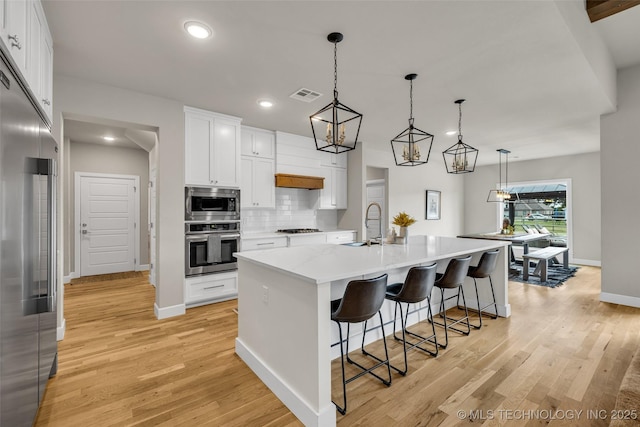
(360,244)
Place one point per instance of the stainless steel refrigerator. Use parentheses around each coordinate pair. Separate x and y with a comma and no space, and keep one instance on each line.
(28,348)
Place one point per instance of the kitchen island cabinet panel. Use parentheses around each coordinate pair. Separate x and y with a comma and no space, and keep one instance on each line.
(287,292)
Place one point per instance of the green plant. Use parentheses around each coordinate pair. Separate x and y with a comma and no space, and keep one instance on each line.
(403,220)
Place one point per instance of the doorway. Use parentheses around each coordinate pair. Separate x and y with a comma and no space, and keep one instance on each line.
(107,212)
(376,192)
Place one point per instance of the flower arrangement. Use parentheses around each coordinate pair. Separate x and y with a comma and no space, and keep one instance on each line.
(403,220)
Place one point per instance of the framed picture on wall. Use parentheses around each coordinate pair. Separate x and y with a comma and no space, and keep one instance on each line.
(433,205)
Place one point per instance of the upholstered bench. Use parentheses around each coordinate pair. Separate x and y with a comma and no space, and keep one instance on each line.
(543,256)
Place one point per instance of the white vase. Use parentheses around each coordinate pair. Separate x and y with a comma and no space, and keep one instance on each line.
(404,232)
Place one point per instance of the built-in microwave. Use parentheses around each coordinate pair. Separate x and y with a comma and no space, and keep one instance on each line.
(211,204)
(209,247)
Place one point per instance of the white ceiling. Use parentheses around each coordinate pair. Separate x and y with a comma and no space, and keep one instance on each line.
(528,86)
(621,33)
(93,133)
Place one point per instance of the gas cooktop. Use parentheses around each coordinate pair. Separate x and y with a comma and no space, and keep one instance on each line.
(299,230)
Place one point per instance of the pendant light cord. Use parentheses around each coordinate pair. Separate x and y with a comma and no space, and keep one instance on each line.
(460,122)
(335,70)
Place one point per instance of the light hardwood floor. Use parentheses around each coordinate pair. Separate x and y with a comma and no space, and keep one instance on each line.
(562,350)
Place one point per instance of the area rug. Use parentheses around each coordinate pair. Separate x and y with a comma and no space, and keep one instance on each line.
(556,275)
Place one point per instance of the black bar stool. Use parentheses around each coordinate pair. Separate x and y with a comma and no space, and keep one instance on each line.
(416,288)
(485,267)
(362,299)
(453,278)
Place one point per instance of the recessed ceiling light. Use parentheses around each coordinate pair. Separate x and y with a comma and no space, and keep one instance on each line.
(452,132)
(198,29)
(265,103)
(108,138)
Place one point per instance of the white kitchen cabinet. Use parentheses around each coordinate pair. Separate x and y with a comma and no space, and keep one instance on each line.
(334,193)
(40,57)
(258,143)
(14,31)
(303,239)
(341,237)
(251,244)
(333,160)
(258,189)
(209,288)
(212,148)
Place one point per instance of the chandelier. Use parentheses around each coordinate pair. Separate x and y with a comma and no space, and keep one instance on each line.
(335,127)
(406,145)
(460,157)
(502,194)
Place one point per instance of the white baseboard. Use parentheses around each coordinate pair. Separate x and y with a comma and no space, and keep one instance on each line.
(620,299)
(143,267)
(67,279)
(166,312)
(61,330)
(590,262)
(297,405)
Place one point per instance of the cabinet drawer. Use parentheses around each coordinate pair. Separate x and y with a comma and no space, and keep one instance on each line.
(266,243)
(307,239)
(210,287)
(341,237)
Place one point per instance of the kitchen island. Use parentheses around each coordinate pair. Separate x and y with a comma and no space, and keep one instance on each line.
(284,297)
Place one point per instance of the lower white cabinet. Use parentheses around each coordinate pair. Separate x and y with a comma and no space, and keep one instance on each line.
(340,237)
(264,243)
(209,288)
(307,239)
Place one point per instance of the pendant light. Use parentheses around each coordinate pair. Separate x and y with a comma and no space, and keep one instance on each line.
(406,146)
(502,194)
(460,157)
(335,127)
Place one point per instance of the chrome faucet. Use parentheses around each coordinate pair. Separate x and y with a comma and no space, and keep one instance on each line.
(366,220)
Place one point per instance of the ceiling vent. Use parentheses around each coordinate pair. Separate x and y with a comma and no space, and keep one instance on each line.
(305,95)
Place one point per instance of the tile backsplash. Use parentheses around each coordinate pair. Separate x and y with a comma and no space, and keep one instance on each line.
(293,210)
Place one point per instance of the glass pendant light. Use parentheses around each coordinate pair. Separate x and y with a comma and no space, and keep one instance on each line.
(335,127)
(460,157)
(412,146)
(502,194)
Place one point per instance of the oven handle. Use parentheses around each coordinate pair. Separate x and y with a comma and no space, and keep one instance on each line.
(214,252)
(230,236)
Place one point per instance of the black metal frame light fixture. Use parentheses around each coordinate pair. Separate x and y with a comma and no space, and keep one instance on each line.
(502,194)
(406,145)
(460,157)
(334,124)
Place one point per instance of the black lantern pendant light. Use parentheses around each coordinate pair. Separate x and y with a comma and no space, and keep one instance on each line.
(502,194)
(406,147)
(336,126)
(460,157)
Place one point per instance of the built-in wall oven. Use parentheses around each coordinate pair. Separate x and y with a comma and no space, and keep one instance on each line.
(209,246)
(212,204)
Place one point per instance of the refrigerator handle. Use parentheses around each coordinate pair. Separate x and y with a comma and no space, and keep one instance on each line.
(49,168)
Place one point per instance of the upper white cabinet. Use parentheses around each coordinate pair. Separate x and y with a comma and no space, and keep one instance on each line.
(258,189)
(258,142)
(212,149)
(334,193)
(26,36)
(40,58)
(14,31)
(333,160)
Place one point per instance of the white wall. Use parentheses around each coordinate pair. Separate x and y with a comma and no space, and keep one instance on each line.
(620,197)
(407,187)
(584,172)
(96,158)
(83,98)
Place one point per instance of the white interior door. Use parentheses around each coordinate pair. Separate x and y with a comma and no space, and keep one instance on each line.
(107,225)
(375,193)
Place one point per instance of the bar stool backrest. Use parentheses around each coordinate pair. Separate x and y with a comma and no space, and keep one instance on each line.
(418,284)
(486,265)
(362,300)
(455,273)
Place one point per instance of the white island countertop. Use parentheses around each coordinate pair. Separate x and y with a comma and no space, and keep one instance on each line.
(326,262)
